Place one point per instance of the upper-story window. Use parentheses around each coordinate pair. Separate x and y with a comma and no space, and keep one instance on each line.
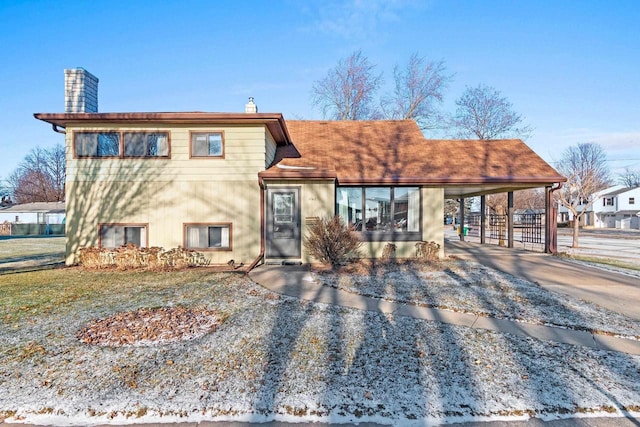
(607,201)
(121,144)
(146,144)
(632,200)
(97,144)
(207,144)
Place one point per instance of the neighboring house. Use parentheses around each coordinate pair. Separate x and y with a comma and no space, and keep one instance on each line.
(246,186)
(34,213)
(613,207)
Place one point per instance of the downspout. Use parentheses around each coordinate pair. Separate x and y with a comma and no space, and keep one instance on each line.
(553,220)
(261,255)
(55,129)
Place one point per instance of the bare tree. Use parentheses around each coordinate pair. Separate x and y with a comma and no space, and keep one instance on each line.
(483,113)
(348,91)
(630,178)
(40,176)
(586,170)
(418,92)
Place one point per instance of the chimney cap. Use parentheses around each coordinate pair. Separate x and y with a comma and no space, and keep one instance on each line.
(250,107)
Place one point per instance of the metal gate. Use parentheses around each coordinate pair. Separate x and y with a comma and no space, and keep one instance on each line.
(531,226)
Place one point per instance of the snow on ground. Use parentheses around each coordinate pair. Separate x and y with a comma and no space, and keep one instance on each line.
(276,357)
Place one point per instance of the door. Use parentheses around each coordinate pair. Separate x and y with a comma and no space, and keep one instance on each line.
(283,223)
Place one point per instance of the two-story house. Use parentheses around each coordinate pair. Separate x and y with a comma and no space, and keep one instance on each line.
(614,207)
(245,186)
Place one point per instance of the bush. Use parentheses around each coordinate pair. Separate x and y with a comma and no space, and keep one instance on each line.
(427,251)
(331,241)
(131,256)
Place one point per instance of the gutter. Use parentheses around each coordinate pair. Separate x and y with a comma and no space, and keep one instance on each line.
(55,129)
(262,244)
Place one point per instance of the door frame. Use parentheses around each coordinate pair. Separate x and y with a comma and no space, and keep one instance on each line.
(296,253)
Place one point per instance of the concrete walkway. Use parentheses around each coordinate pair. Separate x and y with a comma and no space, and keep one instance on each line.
(296,281)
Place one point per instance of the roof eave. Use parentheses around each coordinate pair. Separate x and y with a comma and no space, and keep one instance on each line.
(273,121)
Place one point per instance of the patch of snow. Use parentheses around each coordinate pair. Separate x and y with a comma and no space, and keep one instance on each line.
(278,358)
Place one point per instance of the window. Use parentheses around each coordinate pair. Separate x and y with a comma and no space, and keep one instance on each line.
(210,144)
(146,144)
(108,144)
(632,200)
(607,201)
(381,212)
(116,235)
(207,236)
(97,144)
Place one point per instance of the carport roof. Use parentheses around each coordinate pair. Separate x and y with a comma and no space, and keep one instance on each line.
(394,152)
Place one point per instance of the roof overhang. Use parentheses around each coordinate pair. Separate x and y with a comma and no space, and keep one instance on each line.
(273,121)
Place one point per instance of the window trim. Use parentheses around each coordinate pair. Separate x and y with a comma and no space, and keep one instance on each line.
(207,224)
(121,152)
(207,132)
(382,236)
(123,224)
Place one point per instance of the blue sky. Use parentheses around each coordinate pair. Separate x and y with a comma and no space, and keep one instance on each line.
(572,68)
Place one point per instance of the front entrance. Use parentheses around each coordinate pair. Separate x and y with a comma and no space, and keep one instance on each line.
(283,223)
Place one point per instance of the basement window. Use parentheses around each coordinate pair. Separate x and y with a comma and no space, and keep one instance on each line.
(116,235)
(212,236)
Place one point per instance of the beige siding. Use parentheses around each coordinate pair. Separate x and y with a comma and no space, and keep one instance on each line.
(167,193)
(270,150)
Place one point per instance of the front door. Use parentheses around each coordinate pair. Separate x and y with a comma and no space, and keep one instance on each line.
(283,223)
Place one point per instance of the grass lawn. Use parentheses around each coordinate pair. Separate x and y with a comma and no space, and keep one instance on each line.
(275,357)
(28,252)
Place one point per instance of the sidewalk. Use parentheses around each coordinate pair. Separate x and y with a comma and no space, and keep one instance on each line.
(296,281)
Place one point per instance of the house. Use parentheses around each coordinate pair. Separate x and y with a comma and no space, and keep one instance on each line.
(614,207)
(34,213)
(245,186)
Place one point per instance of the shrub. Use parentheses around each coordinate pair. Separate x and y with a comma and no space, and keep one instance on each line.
(389,252)
(331,241)
(427,251)
(131,256)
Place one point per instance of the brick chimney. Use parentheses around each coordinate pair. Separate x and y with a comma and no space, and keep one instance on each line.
(80,91)
(250,107)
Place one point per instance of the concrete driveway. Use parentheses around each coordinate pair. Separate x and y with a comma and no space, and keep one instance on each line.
(609,289)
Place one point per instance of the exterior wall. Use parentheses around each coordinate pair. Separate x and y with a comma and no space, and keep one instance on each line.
(167,193)
(270,151)
(623,200)
(23,217)
(317,199)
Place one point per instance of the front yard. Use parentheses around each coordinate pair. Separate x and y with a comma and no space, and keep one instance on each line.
(273,356)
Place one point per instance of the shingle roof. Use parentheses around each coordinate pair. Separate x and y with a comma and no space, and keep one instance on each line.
(49,207)
(395,152)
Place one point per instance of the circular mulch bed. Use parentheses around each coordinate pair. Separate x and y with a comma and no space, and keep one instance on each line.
(148,326)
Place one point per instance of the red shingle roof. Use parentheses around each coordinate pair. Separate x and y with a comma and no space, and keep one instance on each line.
(395,152)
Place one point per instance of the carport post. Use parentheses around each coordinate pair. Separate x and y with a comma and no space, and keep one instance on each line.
(510,219)
(461,220)
(483,218)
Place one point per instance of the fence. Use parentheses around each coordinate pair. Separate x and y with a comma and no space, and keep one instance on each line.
(528,228)
(9,229)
